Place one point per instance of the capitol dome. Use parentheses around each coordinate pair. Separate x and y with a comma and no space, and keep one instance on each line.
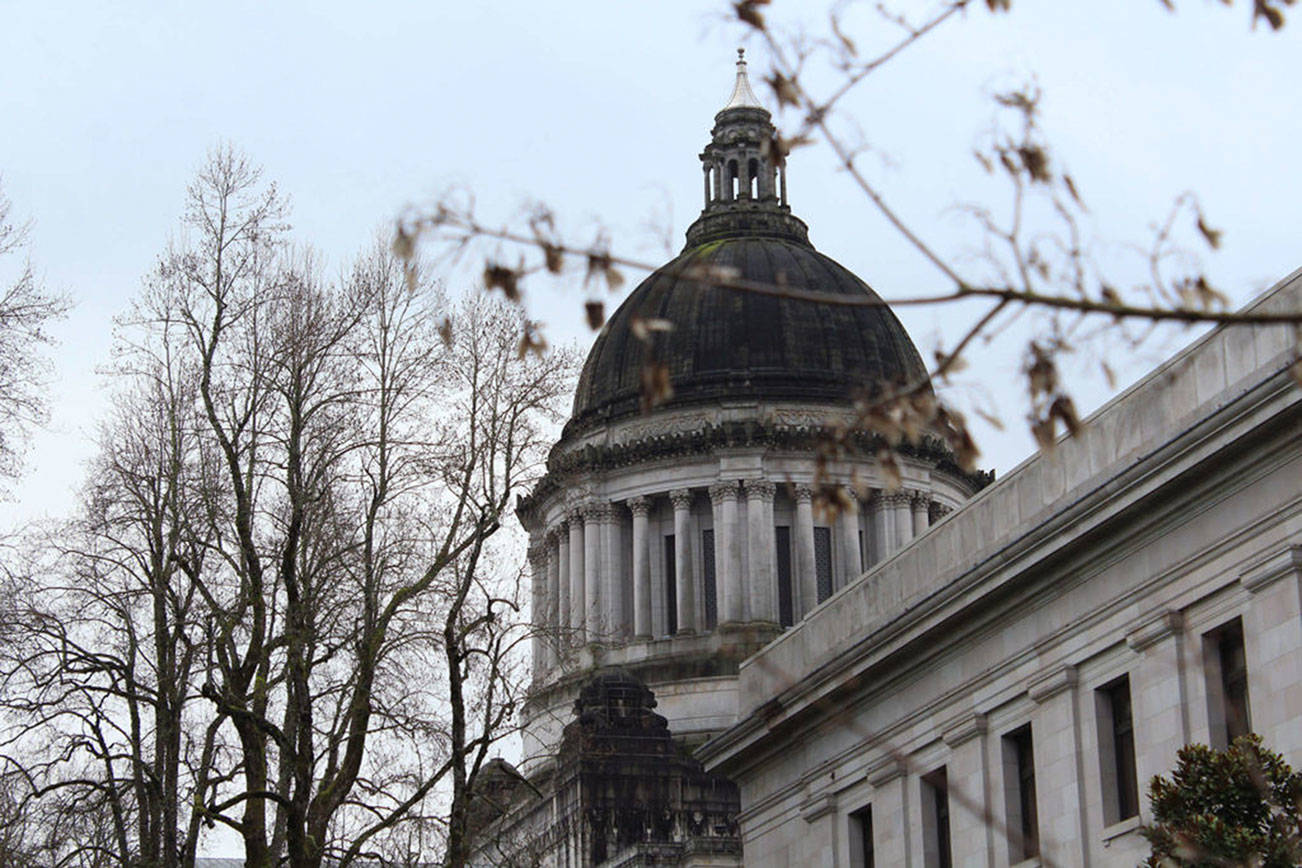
(676,540)
(730,343)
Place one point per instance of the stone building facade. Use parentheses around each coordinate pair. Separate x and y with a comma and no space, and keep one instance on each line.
(948,672)
(1000,691)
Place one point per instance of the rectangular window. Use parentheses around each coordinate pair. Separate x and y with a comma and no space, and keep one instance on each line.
(861,838)
(935,820)
(710,584)
(823,561)
(1019,794)
(671,587)
(786,612)
(1227,683)
(1116,732)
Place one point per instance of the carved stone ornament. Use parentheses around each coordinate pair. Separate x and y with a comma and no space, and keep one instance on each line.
(681,498)
(722,492)
(803,493)
(599,511)
(760,489)
(639,506)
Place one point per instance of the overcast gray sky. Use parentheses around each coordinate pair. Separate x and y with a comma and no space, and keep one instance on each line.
(599,108)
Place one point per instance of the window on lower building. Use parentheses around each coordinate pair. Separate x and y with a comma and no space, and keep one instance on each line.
(1116,733)
(1019,791)
(823,561)
(935,820)
(786,612)
(861,838)
(709,584)
(1226,665)
(671,587)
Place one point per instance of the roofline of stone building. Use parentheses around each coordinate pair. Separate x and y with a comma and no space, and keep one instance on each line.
(1223,395)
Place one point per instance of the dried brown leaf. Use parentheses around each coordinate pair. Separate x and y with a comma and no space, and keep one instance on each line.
(1036,162)
(531,341)
(404,244)
(1064,409)
(445,331)
(785,89)
(553,257)
(644,327)
(596,313)
(749,12)
(991,419)
(713,273)
(502,277)
(1071,189)
(656,388)
(1043,431)
(889,463)
(1213,236)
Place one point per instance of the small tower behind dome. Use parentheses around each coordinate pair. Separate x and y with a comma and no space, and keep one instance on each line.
(745,176)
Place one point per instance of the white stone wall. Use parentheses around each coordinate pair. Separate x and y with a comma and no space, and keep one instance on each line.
(1179,510)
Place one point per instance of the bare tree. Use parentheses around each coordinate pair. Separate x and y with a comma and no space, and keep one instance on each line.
(285,608)
(100,688)
(26,311)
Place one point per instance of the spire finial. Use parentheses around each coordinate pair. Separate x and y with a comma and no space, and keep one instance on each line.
(742,95)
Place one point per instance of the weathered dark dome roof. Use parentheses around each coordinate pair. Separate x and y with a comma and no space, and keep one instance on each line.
(732,343)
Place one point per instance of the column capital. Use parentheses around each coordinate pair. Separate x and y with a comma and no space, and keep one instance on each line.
(896,499)
(598,511)
(724,490)
(559,529)
(681,498)
(803,493)
(919,499)
(640,506)
(760,489)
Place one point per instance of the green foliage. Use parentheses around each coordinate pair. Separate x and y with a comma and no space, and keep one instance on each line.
(1239,806)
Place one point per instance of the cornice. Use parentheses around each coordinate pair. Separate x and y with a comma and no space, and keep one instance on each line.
(567,462)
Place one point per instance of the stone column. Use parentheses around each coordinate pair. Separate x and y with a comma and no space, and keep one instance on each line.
(641,508)
(965,773)
(806,571)
(554,609)
(899,504)
(681,498)
(879,519)
(1272,641)
(892,817)
(851,563)
(612,578)
(578,591)
(1159,703)
(1057,747)
(761,581)
(727,552)
(594,517)
(921,512)
(561,563)
(538,603)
